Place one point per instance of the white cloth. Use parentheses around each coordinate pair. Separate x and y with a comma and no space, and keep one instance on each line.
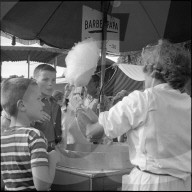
(158,125)
(134,72)
(141,181)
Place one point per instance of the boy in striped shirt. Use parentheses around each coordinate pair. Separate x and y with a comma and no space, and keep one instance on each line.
(25,162)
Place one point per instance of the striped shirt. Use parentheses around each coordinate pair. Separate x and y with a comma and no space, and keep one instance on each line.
(21,149)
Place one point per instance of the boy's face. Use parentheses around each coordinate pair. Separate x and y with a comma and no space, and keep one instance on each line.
(33,104)
(92,88)
(46,81)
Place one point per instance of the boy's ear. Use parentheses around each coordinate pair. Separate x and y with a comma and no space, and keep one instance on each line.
(20,105)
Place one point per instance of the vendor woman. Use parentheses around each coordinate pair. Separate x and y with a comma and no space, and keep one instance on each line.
(157,122)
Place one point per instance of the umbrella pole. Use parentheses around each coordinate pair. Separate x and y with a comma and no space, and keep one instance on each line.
(103,57)
(28,62)
(105,6)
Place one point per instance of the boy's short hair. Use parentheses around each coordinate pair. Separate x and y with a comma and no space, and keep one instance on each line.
(12,90)
(43,67)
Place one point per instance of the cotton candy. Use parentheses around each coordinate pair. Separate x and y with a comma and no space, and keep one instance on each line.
(81,62)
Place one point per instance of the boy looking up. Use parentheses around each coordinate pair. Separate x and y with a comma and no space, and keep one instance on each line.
(25,163)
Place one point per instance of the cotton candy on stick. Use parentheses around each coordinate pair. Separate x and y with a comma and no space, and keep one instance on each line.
(81,62)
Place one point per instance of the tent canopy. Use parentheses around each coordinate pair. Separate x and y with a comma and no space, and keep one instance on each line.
(120,81)
(37,54)
(61,61)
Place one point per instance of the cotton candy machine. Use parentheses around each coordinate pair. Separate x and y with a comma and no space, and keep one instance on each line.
(86,166)
(78,153)
(95,157)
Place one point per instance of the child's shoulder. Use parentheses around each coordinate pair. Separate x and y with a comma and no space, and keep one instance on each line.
(31,131)
(21,132)
(34,130)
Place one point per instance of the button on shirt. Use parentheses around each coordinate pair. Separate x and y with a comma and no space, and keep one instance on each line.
(158,125)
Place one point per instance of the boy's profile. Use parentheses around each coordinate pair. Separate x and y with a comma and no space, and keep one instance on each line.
(25,162)
(45,76)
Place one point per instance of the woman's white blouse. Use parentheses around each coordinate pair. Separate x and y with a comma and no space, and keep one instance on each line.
(158,126)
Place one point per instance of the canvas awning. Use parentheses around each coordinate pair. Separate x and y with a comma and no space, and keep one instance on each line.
(61,61)
(120,81)
(37,54)
(134,72)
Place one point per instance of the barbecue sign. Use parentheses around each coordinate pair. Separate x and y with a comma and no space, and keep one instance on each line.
(92,23)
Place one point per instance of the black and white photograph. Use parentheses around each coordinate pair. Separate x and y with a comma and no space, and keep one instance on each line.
(95,95)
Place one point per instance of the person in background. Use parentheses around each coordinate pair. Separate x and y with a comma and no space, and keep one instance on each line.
(5,117)
(25,162)
(5,121)
(67,91)
(45,76)
(92,99)
(157,122)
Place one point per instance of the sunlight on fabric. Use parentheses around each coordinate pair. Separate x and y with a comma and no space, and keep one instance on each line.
(20,68)
(135,72)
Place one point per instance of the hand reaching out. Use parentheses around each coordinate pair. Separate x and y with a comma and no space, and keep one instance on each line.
(94,132)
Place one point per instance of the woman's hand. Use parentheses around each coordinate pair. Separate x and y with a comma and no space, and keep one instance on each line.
(94,132)
(91,115)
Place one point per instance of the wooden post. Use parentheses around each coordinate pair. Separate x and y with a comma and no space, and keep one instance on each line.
(55,63)
(28,62)
(0,71)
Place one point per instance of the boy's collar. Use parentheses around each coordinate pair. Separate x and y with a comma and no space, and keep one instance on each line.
(50,98)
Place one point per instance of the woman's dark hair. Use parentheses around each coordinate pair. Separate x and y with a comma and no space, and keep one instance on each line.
(168,62)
